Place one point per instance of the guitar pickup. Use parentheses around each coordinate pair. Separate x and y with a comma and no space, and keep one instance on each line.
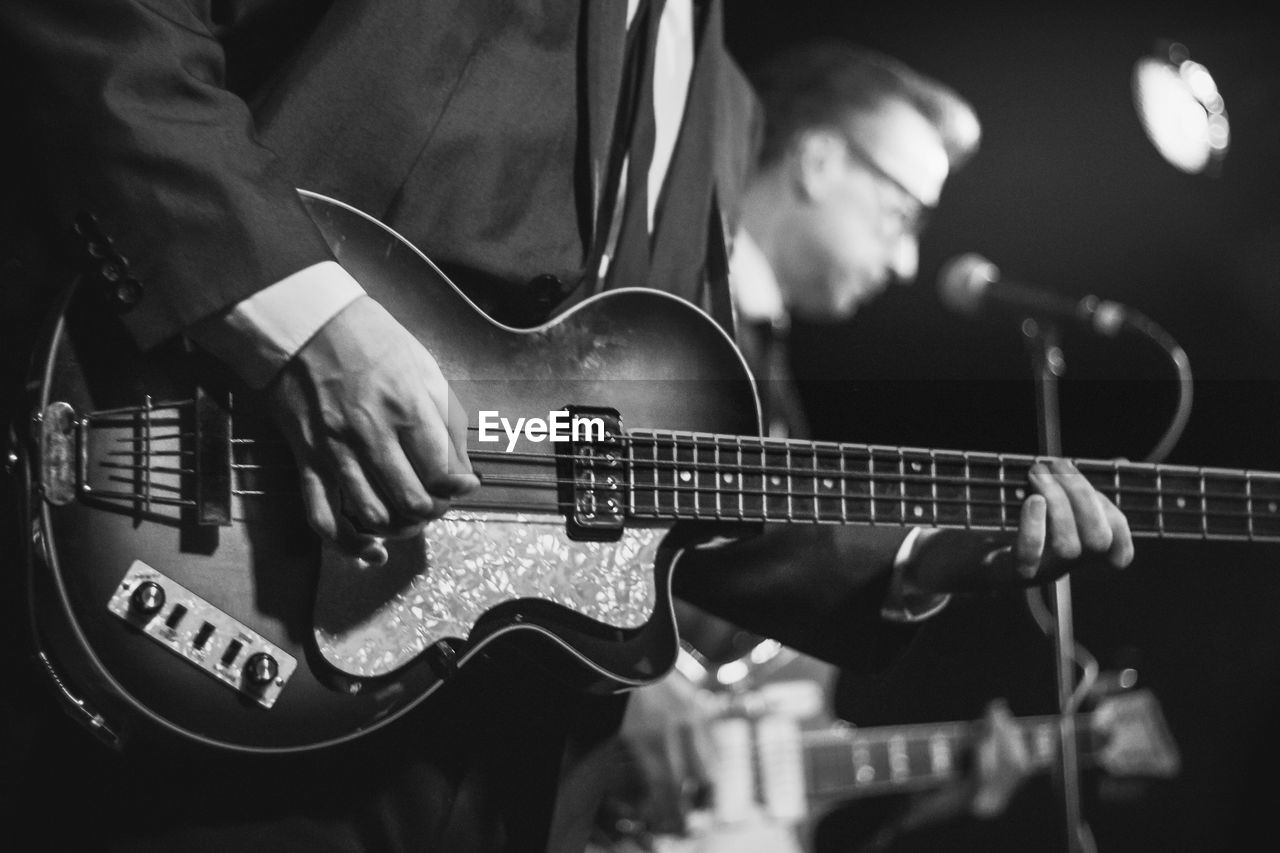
(591,468)
(208,638)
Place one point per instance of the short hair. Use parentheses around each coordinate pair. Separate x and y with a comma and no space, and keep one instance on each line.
(820,84)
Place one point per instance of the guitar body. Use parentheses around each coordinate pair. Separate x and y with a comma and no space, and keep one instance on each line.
(135,494)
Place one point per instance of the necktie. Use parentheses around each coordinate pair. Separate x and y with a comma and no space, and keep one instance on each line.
(631,260)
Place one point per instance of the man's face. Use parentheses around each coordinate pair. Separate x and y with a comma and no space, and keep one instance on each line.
(864,209)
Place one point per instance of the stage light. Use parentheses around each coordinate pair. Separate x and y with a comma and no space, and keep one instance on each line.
(1181,109)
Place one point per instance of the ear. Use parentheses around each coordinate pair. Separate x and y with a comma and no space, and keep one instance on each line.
(819,159)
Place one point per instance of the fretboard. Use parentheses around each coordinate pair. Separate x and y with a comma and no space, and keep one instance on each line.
(878,760)
(702,476)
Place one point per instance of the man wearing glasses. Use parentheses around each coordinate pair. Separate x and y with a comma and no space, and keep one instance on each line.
(855,151)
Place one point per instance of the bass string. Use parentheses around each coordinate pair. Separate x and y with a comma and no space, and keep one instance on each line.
(740,492)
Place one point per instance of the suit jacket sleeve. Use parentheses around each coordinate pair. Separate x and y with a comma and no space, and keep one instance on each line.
(125,112)
(817,588)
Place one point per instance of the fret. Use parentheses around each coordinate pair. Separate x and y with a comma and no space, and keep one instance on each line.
(864,769)
(705,451)
(933,486)
(888,503)
(899,761)
(714,474)
(968,494)
(813,466)
(941,759)
(1204,507)
(1004,493)
(1103,476)
(691,476)
(684,497)
(902,486)
(920,501)
(1139,498)
(657,504)
(631,476)
(1248,500)
(984,508)
(1226,504)
(844,486)
(645,485)
(828,466)
(1004,521)
(1265,505)
(709,465)
(920,758)
(1159,502)
(857,483)
(1180,502)
(951,490)
(753,479)
(790,487)
(1011,495)
(871,485)
(738,478)
(777,482)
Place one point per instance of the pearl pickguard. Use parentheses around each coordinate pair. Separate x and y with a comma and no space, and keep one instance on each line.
(372,621)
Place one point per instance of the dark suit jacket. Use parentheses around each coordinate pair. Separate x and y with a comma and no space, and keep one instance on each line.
(478,129)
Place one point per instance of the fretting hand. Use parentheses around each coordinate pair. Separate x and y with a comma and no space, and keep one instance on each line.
(1064,522)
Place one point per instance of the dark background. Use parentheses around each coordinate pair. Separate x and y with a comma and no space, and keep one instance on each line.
(1068,193)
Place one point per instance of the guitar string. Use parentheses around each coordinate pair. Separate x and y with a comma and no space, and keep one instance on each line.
(1202,495)
(797,493)
(738,444)
(840,453)
(756,513)
(824,511)
(835,452)
(809,474)
(745,469)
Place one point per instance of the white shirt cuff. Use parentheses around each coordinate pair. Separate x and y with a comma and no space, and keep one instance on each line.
(260,334)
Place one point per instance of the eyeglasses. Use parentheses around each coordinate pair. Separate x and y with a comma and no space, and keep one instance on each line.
(910,215)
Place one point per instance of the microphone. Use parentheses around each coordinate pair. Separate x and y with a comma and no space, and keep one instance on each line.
(970,283)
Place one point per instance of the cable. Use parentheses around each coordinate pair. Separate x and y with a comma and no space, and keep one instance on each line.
(1182,366)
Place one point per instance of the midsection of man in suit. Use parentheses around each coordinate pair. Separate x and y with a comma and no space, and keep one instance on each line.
(483,132)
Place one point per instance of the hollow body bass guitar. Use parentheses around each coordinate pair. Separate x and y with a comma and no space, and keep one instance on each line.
(176,588)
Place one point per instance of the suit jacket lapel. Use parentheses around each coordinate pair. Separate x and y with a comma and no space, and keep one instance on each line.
(604,33)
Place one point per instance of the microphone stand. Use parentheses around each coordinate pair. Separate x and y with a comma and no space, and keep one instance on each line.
(1046,355)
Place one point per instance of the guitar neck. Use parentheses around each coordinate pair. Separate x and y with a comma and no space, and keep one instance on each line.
(694,476)
(843,764)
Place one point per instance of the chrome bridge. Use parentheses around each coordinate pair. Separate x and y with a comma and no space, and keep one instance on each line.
(171,455)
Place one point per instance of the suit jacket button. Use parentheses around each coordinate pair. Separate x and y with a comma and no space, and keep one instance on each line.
(127,293)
